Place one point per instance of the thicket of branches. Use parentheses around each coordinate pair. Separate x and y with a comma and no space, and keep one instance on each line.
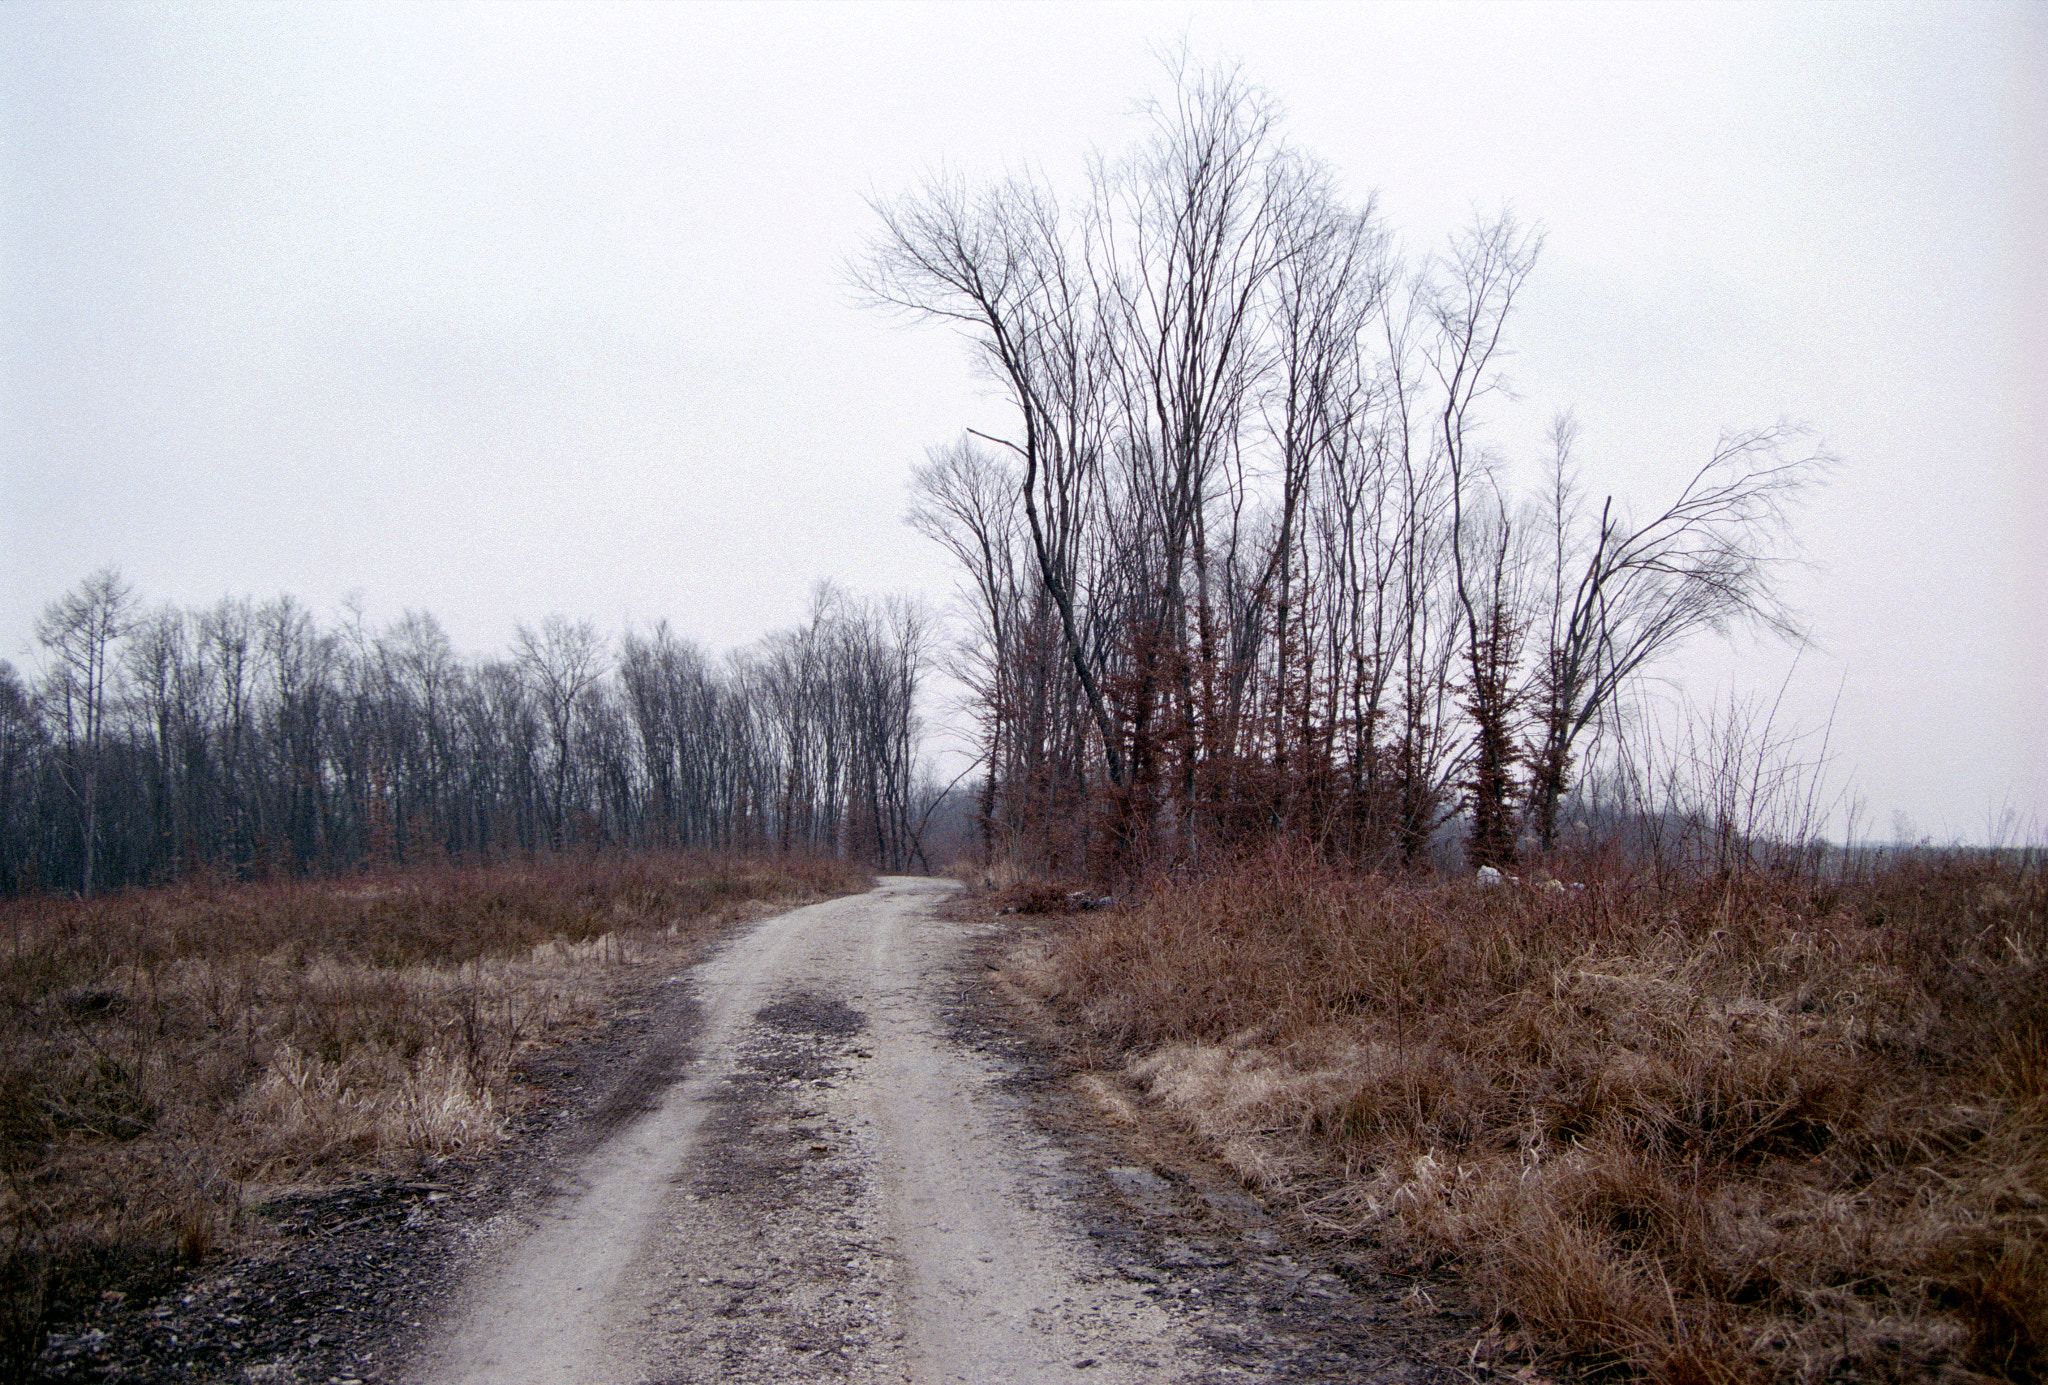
(249,739)
(1242,564)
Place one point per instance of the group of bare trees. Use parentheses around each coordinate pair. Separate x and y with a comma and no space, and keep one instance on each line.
(1243,563)
(247,739)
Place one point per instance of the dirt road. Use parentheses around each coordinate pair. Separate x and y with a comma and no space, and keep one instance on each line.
(828,1185)
(844,1147)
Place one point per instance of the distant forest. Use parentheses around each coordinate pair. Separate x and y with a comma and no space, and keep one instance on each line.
(247,740)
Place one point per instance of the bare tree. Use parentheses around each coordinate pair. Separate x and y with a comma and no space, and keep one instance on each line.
(80,629)
(1004,266)
(1630,592)
(301,663)
(1469,306)
(1012,657)
(1317,408)
(560,660)
(20,731)
(1178,348)
(1422,644)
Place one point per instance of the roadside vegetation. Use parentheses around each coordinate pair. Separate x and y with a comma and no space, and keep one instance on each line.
(1736,1128)
(170,1058)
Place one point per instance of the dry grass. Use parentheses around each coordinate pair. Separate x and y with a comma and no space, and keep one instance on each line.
(1728,1132)
(167,1055)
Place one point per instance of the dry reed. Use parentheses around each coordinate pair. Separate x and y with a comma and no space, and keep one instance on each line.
(1730,1130)
(167,1056)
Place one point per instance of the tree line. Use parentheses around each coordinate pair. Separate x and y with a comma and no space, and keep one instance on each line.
(1243,562)
(250,739)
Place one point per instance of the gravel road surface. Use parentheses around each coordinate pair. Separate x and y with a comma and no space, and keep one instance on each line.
(828,1187)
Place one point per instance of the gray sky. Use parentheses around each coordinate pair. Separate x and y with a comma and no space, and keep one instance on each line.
(502,310)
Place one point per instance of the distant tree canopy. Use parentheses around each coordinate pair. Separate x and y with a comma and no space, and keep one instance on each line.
(1240,565)
(248,740)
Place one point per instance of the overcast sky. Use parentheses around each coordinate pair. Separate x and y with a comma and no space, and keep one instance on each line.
(503,310)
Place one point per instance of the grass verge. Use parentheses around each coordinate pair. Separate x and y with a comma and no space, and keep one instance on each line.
(1717,1132)
(168,1056)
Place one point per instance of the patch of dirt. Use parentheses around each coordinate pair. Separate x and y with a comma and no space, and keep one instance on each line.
(799,1282)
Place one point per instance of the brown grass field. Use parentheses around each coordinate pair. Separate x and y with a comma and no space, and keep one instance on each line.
(1737,1130)
(169,1057)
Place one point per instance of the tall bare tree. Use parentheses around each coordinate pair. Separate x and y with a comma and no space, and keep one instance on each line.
(561,660)
(1175,346)
(80,629)
(1470,300)
(20,730)
(1003,264)
(1627,592)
